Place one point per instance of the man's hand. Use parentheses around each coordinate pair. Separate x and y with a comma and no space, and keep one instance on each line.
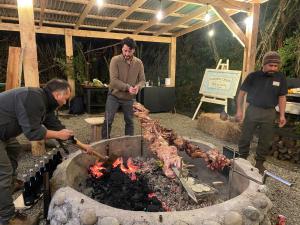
(282,121)
(65,134)
(133,90)
(239,116)
(87,148)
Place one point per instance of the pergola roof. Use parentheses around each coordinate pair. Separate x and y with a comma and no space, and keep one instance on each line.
(126,16)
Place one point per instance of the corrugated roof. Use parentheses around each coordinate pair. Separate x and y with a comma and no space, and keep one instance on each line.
(67,13)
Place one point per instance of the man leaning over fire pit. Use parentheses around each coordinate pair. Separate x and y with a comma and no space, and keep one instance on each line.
(126,78)
(30,111)
(265,90)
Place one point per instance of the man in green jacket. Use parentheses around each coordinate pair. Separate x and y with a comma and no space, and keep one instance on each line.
(127,77)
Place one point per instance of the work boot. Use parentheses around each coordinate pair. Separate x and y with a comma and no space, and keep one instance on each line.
(260,166)
(22,219)
(17,185)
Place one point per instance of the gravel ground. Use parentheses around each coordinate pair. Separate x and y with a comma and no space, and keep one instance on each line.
(286,201)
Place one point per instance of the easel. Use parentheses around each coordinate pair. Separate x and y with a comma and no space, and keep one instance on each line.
(215,99)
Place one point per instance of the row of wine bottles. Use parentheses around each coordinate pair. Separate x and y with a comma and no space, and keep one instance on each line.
(33,181)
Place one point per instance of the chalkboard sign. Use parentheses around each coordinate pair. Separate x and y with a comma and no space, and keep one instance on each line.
(220,83)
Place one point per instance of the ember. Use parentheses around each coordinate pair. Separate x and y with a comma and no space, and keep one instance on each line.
(119,186)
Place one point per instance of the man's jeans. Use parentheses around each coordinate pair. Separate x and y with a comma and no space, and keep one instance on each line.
(9,153)
(112,105)
(264,120)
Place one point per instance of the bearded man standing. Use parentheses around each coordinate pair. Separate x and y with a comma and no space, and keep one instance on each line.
(265,90)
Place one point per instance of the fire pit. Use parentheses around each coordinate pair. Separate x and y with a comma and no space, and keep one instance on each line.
(76,201)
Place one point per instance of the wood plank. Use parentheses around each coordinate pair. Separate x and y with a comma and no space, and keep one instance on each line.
(171,9)
(228,4)
(231,25)
(84,13)
(87,33)
(172,61)
(183,20)
(13,68)
(202,24)
(124,15)
(251,33)
(69,61)
(28,43)
(43,4)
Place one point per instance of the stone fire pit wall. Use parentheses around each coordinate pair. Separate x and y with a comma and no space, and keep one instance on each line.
(68,206)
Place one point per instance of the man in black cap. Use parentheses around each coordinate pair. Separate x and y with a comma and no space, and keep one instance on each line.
(29,111)
(265,90)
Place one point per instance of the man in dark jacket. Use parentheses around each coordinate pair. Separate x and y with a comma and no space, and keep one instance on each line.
(29,111)
(265,89)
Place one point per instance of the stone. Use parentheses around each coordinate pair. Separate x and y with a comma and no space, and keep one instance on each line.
(141,223)
(73,221)
(67,209)
(233,218)
(60,198)
(180,222)
(54,222)
(263,189)
(266,221)
(210,223)
(108,221)
(88,217)
(251,213)
(260,203)
(59,215)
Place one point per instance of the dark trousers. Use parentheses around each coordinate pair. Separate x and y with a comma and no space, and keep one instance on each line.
(260,118)
(9,154)
(112,105)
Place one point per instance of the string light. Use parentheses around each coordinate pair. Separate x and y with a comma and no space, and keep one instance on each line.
(99,3)
(211,33)
(160,14)
(248,21)
(207,16)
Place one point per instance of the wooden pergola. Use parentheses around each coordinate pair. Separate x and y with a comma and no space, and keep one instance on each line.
(117,19)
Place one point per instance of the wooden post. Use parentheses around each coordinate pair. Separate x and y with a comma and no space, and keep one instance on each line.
(172,61)
(30,64)
(251,34)
(28,43)
(69,60)
(14,65)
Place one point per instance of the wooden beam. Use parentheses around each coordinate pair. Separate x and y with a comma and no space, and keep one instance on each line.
(88,33)
(172,61)
(228,4)
(202,24)
(124,15)
(28,43)
(69,61)
(14,67)
(84,13)
(43,4)
(231,25)
(251,32)
(171,9)
(183,20)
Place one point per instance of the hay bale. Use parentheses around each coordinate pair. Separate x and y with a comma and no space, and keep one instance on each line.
(212,124)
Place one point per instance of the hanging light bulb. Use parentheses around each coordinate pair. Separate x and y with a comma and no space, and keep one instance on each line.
(99,3)
(211,33)
(207,16)
(160,14)
(248,21)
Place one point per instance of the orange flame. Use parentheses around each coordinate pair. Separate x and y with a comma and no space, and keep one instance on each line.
(96,169)
(151,195)
(131,167)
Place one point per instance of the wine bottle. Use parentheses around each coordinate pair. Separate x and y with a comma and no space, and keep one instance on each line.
(27,191)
